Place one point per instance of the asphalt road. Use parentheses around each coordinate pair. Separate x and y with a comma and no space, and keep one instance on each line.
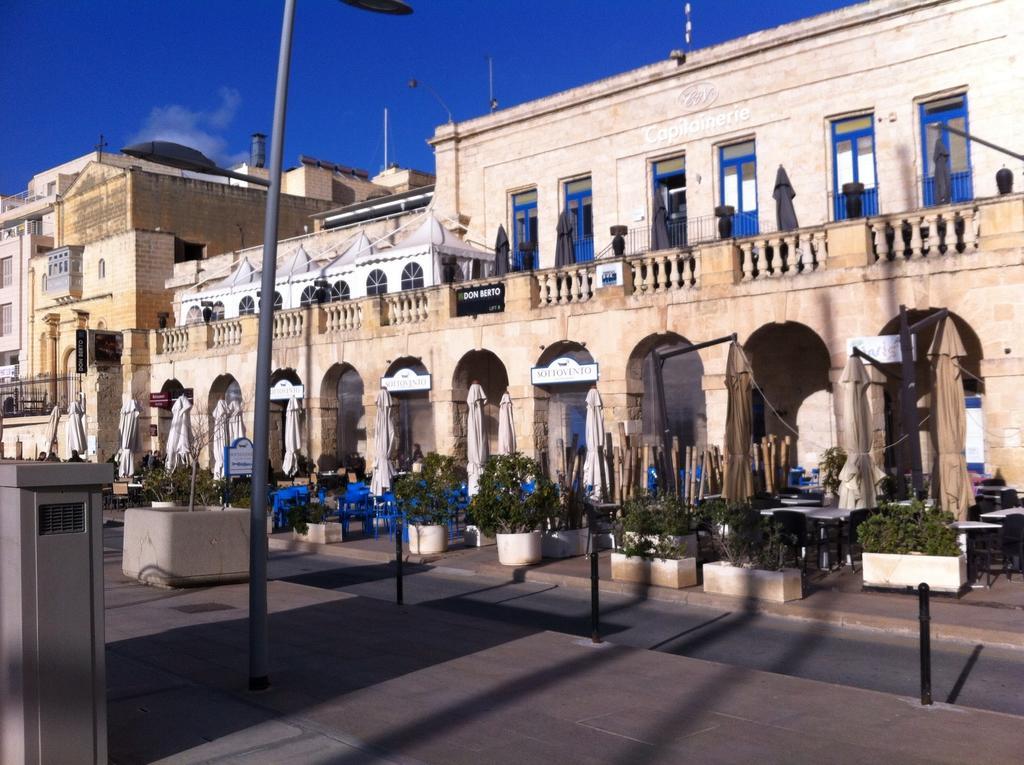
(976,676)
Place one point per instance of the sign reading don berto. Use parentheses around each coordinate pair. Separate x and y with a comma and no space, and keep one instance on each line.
(483,298)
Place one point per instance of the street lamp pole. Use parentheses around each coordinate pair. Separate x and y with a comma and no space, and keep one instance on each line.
(259,674)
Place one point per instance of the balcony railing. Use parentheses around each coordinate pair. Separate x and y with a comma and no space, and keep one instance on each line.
(784,253)
(961,188)
(18,200)
(37,397)
(60,285)
(869,204)
(926,233)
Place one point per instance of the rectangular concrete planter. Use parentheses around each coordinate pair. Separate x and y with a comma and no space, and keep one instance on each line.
(659,572)
(943,573)
(687,543)
(564,544)
(473,537)
(171,547)
(774,586)
(320,533)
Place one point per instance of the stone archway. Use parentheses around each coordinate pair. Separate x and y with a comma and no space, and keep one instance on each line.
(277,417)
(223,388)
(484,367)
(342,418)
(793,393)
(414,413)
(163,416)
(560,409)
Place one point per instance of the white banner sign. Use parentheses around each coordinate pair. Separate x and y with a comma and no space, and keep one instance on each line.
(609,274)
(564,370)
(238,457)
(974,438)
(885,348)
(405,380)
(283,390)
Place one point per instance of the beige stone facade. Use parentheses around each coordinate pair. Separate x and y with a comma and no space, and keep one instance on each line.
(794,299)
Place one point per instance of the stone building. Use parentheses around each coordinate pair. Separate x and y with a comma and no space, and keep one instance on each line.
(855,96)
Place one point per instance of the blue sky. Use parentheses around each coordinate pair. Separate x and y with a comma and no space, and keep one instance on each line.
(202,71)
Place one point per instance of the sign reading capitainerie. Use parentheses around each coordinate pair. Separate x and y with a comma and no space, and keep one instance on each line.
(405,380)
(564,370)
(484,298)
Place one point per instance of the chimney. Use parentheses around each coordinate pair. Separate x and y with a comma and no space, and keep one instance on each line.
(258,152)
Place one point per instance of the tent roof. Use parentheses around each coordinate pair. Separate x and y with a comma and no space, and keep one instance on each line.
(243,274)
(299,263)
(360,247)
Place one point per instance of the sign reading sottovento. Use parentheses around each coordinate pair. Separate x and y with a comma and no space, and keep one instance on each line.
(404,381)
(564,370)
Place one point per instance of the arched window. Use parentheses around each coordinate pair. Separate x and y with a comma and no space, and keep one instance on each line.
(194,315)
(340,291)
(218,311)
(246,306)
(376,282)
(278,301)
(308,296)
(103,269)
(412,277)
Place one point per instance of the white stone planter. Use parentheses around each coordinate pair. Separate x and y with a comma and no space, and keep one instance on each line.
(427,540)
(171,547)
(162,503)
(687,543)
(270,525)
(662,572)
(519,549)
(564,544)
(776,586)
(474,537)
(942,573)
(324,533)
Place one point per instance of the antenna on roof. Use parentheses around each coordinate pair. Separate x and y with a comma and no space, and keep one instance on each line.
(689,25)
(99,148)
(490,83)
(385,138)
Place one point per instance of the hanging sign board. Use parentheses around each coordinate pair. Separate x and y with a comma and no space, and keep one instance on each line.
(238,457)
(609,275)
(564,370)
(885,348)
(81,351)
(405,381)
(165,400)
(107,347)
(485,298)
(974,437)
(283,390)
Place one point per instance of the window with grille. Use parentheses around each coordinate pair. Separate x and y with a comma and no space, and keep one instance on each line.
(5,319)
(246,306)
(412,277)
(376,282)
(340,291)
(308,296)
(6,272)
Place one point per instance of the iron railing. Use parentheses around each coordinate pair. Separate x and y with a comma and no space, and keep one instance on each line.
(36,397)
(869,204)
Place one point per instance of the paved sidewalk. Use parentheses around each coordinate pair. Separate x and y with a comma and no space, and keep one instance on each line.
(359,680)
(993,617)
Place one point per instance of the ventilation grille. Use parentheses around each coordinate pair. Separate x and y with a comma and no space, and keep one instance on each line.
(65,518)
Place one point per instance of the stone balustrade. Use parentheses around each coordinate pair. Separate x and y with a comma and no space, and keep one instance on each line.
(224,334)
(783,253)
(572,284)
(664,271)
(927,233)
(346,316)
(172,340)
(408,307)
(289,324)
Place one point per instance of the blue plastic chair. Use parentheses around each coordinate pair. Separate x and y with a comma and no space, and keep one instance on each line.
(386,509)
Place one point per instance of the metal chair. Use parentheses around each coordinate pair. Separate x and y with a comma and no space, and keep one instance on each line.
(857,517)
(792,528)
(1012,544)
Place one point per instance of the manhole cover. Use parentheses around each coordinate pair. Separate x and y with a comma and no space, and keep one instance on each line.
(198,608)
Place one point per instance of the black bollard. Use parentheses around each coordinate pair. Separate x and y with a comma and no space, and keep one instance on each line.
(595,608)
(926,643)
(398,561)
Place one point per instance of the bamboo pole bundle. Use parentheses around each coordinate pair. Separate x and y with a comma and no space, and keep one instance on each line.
(676,481)
(691,474)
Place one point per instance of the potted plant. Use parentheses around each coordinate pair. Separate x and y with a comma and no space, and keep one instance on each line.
(831,465)
(309,523)
(905,545)
(158,486)
(751,555)
(658,547)
(506,507)
(564,535)
(427,499)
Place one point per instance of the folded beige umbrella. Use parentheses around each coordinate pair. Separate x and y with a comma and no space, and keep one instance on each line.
(595,435)
(949,481)
(738,483)
(506,426)
(383,443)
(859,475)
(476,439)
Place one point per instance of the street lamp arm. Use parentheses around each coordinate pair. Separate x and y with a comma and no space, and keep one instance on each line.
(417,83)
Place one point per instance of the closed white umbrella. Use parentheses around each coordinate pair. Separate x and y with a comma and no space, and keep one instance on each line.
(51,432)
(292,437)
(595,438)
(383,442)
(859,475)
(179,439)
(220,436)
(75,436)
(236,425)
(127,430)
(476,439)
(506,426)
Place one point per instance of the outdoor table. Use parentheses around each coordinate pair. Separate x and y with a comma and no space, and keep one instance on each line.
(821,516)
(963,531)
(998,515)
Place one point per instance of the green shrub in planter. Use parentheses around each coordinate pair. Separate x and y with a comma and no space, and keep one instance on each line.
(914,528)
(742,536)
(426,497)
(300,516)
(653,523)
(832,462)
(502,506)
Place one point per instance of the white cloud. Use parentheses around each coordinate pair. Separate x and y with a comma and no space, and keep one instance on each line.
(200,130)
